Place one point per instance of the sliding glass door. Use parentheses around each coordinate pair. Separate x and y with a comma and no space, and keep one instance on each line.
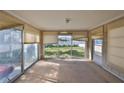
(10,54)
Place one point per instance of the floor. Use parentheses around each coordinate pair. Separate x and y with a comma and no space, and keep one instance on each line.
(66,71)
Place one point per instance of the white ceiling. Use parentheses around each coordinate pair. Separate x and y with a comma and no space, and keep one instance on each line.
(55,19)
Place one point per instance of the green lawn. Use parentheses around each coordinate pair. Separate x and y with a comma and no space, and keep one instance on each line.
(64,52)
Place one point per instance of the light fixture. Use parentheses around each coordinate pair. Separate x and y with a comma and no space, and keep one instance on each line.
(67,20)
(64,32)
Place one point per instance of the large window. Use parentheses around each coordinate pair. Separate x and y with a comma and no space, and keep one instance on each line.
(10,54)
(66,47)
(13,59)
(30,54)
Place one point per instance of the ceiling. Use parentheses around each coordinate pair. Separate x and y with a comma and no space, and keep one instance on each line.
(55,19)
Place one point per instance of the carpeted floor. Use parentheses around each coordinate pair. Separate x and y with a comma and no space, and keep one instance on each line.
(66,71)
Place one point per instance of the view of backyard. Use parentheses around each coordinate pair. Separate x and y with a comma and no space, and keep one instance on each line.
(64,51)
(66,47)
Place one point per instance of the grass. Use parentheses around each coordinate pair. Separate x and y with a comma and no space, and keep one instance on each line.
(64,52)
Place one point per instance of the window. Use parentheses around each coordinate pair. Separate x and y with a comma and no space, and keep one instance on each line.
(51,50)
(67,47)
(10,54)
(78,48)
(31,46)
(65,43)
(30,54)
(98,46)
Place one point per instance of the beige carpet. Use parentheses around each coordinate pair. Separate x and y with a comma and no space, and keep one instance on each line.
(66,71)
